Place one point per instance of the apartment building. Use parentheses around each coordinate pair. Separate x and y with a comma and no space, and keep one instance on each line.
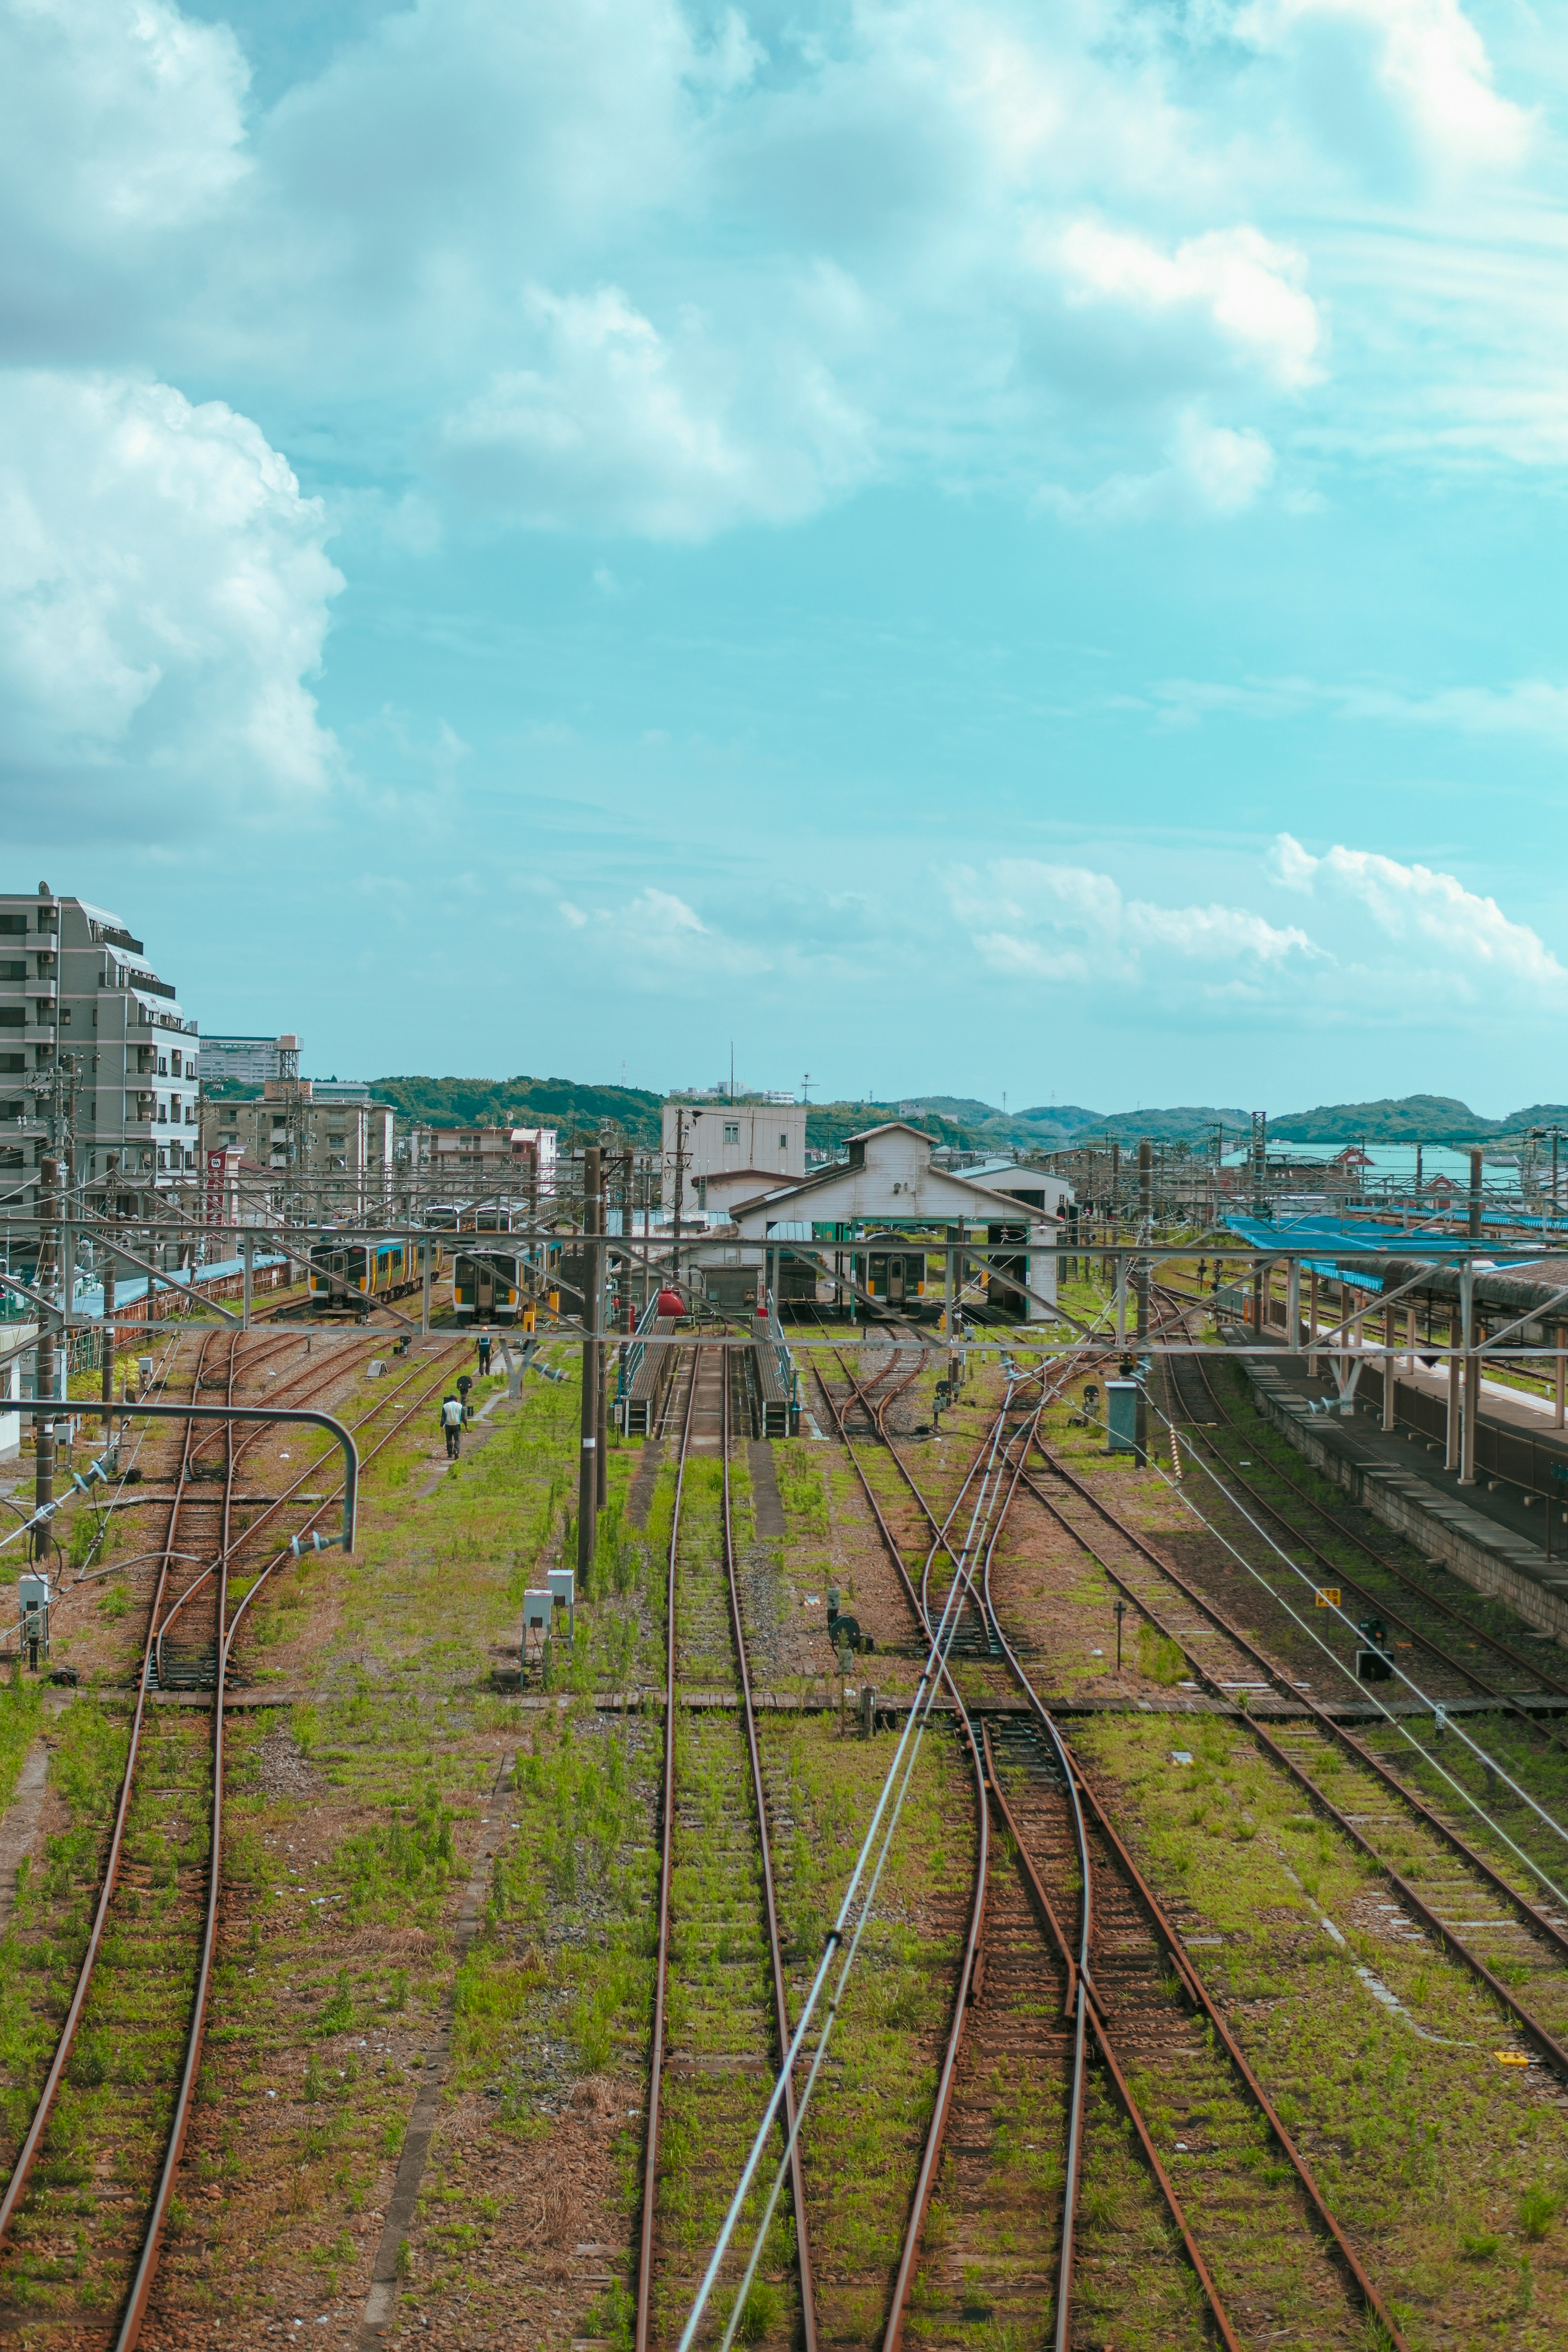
(463,1163)
(248,1061)
(94,1046)
(340,1151)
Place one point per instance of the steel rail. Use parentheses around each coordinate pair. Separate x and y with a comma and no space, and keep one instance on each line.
(1088,2019)
(666,1859)
(1198,1993)
(770,1901)
(1084,2011)
(135,2311)
(1528,2023)
(282,1501)
(936,2129)
(1411,1583)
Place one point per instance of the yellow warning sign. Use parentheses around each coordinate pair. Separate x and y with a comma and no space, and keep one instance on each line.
(1327,1596)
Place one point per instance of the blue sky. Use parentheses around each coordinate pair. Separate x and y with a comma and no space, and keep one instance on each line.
(962,549)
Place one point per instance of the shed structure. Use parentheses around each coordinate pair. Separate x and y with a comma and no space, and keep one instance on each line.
(888,1189)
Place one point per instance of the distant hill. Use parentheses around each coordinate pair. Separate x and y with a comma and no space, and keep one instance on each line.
(575,1109)
(963,1122)
(1413,1119)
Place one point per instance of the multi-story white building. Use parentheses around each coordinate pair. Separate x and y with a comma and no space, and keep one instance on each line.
(717,1138)
(248,1061)
(89,1036)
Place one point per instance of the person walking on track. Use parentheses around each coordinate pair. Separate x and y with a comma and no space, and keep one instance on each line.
(484,1355)
(452,1424)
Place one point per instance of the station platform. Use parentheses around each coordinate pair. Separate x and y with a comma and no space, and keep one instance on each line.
(1503,1536)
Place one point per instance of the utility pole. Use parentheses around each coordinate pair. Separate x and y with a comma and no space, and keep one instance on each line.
(680,1195)
(47,1375)
(601,1347)
(1141,1292)
(106,1337)
(1475,1196)
(588,1473)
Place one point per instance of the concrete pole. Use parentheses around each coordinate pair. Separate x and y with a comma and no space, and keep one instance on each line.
(1121,1264)
(588,1469)
(1475,1196)
(1559,1378)
(1146,1234)
(1472,1369)
(111,1207)
(248,1254)
(1293,1301)
(424,1250)
(1451,1451)
(1314,1363)
(47,1375)
(1389,1313)
(601,1347)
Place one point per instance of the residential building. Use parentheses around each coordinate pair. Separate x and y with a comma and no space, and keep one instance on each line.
(96,1055)
(463,1163)
(248,1061)
(712,1137)
(339,1154)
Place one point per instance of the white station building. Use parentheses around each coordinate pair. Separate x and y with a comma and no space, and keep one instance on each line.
(887,1190)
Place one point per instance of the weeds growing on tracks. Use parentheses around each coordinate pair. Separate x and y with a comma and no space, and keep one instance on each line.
(1420,2144)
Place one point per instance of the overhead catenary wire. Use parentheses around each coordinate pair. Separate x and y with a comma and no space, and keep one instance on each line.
(900,1771)
(1428,1704)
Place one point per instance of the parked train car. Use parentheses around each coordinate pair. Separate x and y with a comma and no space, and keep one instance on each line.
(351,1272)
(897,1275)
(487,1285)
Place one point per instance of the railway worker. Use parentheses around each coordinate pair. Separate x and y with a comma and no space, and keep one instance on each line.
(451,1423)
(483,1345)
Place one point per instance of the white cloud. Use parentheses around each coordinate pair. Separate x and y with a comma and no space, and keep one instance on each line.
(1423,59)
(1246,290)
(1212,470)
(621,430)
(1428,913)
(1530,708)
(163,594)
(659,938)
(1070,923)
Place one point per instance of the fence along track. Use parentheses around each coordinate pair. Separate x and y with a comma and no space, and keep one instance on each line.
(719,1975)
(1128,1579)
(1148,2018)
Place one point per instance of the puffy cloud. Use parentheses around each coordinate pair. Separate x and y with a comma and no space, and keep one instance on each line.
(163,594)
(120,122)
(1233,282)
(1377,72)
(657,936)
(620,430)
(1054,922)
(1430,913)
(1211,470)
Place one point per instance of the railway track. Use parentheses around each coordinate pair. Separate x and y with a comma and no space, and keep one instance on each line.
(1438,1874)
(720,2019)
(115,2100)
(1107,1961)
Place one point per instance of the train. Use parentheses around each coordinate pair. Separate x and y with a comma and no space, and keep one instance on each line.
(487,1285)
(347,1271)
(896,1276)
